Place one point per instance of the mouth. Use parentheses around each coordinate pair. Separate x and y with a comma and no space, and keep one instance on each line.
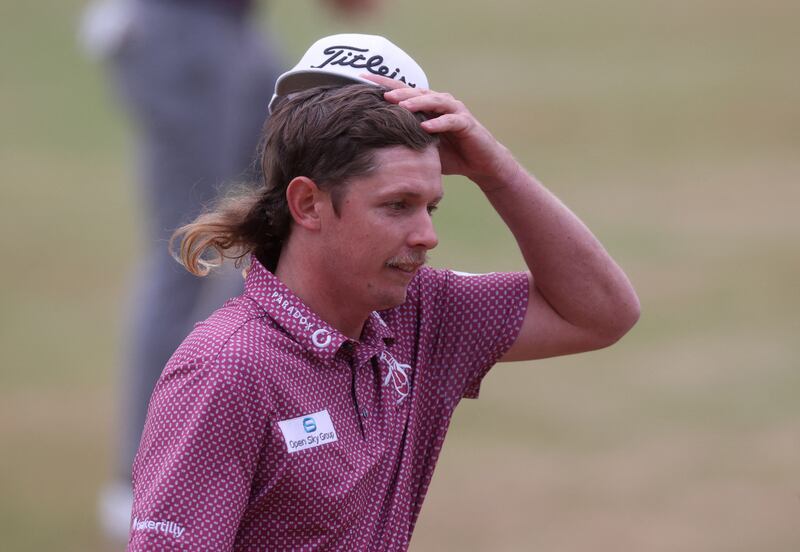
(407,264)
(407,268)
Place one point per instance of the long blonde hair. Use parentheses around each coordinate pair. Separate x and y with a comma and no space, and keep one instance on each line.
(215,236)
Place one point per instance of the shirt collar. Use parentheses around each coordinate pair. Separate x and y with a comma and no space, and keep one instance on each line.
(375,338)
(303,324)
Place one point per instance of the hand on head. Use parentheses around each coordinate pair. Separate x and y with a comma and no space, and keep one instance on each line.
(466,147)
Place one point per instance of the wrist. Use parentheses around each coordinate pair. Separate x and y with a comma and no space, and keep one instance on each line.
(505,172)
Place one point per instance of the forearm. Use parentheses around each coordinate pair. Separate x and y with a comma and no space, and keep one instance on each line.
(570,267)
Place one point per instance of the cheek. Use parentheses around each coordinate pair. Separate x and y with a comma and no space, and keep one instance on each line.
(370,239)
(364,244)
(351,252)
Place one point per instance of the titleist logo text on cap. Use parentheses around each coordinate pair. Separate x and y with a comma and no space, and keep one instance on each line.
(345,57)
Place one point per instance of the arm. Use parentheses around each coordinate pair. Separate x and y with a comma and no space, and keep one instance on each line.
(579,298)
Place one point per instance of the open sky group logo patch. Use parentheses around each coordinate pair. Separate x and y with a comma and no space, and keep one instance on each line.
(309,431)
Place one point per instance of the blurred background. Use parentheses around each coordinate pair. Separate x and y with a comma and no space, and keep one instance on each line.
(672,129)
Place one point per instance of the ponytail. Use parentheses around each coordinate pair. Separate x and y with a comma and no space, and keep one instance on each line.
(250,222)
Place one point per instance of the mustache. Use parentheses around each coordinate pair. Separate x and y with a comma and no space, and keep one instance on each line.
(409,258)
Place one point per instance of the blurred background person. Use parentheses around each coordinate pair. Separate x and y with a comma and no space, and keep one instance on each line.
(195,77)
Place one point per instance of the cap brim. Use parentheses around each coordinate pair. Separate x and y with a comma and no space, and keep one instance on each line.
(309,78)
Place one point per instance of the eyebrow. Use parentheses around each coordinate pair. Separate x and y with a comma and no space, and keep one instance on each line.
(399,191)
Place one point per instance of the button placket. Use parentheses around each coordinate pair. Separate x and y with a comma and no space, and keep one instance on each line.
(363,398)
(348,358)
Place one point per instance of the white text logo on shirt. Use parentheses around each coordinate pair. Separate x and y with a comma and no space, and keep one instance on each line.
(167,527)
(321,337)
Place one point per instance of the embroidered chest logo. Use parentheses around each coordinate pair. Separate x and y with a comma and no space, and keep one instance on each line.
(397,375)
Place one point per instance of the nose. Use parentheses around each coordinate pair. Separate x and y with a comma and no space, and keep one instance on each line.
(424,234)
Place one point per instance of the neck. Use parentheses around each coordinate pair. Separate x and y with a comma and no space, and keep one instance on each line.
(307,281)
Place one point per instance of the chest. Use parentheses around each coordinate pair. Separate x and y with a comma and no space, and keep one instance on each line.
(336,433)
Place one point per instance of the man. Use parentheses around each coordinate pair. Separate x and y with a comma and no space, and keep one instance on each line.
(309,412)
(193,74)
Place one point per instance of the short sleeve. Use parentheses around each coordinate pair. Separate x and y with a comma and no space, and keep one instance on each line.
(199,450)
(477,318)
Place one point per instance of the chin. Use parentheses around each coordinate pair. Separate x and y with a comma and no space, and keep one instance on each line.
(391,300)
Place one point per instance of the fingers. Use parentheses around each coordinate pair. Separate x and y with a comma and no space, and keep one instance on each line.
(386,82)
(420,99)
(401,95)
(430,102)
(449,122)
(416,99)
(453,115)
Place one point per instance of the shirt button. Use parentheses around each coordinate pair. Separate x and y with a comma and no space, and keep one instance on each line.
(364,413)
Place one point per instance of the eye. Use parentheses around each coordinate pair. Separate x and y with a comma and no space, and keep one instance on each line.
(397,206)
(432,209)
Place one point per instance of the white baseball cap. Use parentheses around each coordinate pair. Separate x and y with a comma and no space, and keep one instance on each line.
(342,58)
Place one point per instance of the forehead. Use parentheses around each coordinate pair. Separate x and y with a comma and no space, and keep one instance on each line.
(401,170)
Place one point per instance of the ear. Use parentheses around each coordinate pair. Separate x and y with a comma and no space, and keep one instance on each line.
(305,200)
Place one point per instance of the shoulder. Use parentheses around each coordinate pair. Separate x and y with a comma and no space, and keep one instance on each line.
(426,296)
(427,285)
(437,296)
(236,344)
(436,285)
(236,319)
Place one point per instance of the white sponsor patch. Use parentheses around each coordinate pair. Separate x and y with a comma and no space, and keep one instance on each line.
(309,431)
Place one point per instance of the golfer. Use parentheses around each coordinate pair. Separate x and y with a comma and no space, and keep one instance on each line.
(309,412)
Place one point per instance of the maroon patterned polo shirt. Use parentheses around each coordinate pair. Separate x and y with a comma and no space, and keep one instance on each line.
(270,430)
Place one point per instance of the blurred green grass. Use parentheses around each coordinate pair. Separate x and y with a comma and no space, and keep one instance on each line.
(671,129)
